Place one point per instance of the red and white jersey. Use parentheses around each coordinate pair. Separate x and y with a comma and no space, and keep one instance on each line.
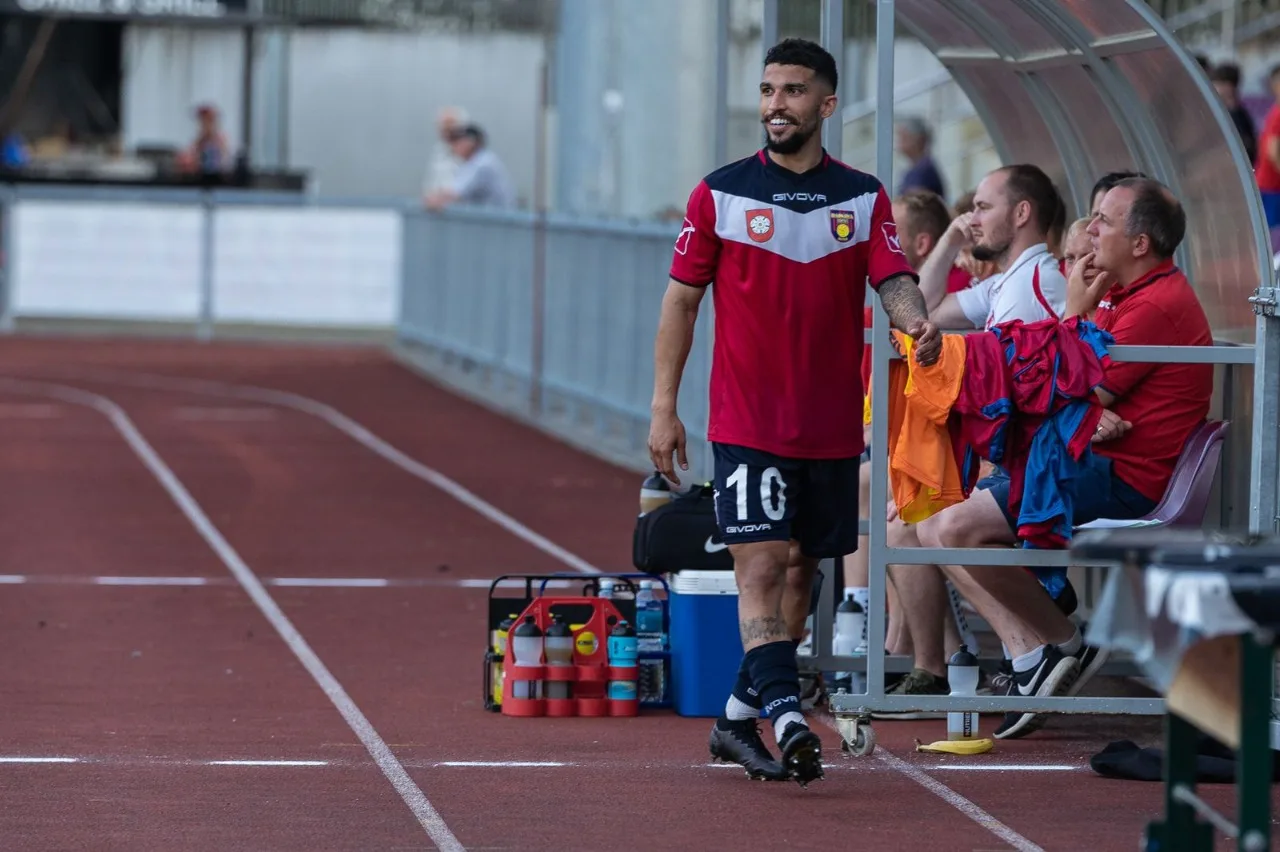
(790,256)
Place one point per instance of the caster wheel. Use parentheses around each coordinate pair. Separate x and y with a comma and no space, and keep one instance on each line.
(864,742)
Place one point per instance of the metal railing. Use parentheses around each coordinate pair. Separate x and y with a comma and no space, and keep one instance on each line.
(881,555)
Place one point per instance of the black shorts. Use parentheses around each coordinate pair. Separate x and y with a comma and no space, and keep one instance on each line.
(763,497)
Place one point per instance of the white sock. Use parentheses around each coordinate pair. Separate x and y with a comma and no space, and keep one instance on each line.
(780,723)
(1005,648)
(1072,645)
(736,710)
(1029,660)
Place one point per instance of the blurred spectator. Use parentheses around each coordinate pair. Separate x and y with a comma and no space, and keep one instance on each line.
(481,178)
(1203,62)
(963,205)
(1267,165)
(209,153)
(442,168)
(1226,79)
(914,140)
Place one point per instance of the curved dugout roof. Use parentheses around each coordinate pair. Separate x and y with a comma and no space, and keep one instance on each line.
(1083,87)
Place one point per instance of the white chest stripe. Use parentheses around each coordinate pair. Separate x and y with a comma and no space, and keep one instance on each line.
(802,237)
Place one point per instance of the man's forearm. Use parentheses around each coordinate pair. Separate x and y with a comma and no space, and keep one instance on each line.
(670,351)
(903,302)
(935,271)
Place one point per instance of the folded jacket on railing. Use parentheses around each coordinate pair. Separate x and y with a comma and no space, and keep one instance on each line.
(1027,403)
(1020,395)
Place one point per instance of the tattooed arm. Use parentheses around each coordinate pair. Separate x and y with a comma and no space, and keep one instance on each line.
(905,305)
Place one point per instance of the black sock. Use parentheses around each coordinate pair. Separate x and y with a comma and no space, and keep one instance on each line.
(744,701)
(777,679)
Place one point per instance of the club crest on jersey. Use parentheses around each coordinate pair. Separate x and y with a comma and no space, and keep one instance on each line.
(842,225)
(890,231)
(760,224)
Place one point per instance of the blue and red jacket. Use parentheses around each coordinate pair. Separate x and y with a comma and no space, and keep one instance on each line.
(1027,404)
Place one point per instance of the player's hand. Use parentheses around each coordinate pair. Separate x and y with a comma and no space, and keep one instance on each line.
(1110,427)
(666,437)
(928,341)
(960,231)
(1086,285)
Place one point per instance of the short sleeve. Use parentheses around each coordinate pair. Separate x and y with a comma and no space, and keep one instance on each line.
(1140,323)
(697,249)
(975,302)
(885,258)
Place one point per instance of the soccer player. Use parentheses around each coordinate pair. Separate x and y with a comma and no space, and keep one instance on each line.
(790,238)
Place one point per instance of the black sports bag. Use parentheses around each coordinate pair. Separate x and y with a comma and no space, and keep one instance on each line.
(681,535)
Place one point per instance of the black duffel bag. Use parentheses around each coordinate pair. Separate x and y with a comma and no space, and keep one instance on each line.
(680,535)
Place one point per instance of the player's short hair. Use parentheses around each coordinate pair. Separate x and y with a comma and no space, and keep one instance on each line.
(1027,182)
(1109,180)
(924,213)
(1227,72)
(1157,213)
(806,54)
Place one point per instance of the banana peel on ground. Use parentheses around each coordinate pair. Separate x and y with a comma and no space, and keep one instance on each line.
(960,747)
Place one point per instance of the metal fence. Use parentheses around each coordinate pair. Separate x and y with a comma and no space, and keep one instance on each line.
(553,319)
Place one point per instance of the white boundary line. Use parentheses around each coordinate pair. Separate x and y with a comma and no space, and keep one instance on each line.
(942,791)
(357,433)
(371,441)
(412,795)
(146,580)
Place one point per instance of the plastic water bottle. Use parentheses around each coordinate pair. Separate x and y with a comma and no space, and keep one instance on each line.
(962,677)
(559,651)
(606,588)
(526,646)
(622,654)
(851,621)
(654,492)
(962,624)
(650,638)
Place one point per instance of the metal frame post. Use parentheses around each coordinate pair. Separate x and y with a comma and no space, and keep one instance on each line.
(831,27)
(204,326)
(877,564)
(8,204)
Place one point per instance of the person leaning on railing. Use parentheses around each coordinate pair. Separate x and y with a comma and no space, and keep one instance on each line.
(1141,298)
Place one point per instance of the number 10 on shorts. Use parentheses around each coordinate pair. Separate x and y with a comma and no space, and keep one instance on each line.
(772,493)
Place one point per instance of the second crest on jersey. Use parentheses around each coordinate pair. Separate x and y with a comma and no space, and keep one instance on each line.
(760,224)
(842,225)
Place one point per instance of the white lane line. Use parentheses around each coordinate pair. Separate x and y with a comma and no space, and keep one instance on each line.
(942,791)
(504,764)
(426,814)
(268,763)
(150,581)
(30,411)
(361,435)
(237,414)
(293,582)
(39,760)
(335,582)
(1010,767)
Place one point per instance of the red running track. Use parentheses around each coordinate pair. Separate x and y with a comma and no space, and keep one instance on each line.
(136,658)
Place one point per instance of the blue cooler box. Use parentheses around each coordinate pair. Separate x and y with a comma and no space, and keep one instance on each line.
(706,649)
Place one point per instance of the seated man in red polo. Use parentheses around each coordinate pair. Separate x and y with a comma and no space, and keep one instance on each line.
(1142,299)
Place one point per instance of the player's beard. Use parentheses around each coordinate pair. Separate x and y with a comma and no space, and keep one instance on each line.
(997,248)
(801,133)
